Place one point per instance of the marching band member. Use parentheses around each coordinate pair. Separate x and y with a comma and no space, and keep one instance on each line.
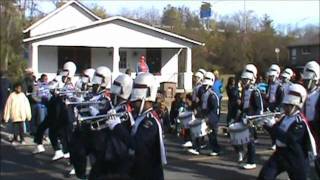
(211,109)
(53,120)
(275,90)
(293,138)
(311,109)
(146,143)
(275,93)
(115,161)
(197,93)
(198,78)
(251,105)
(198,83)
(285,78)
(84,140)
(85,81)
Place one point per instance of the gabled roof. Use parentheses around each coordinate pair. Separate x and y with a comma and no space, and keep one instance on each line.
(78,4)
(311,40)
(108,20)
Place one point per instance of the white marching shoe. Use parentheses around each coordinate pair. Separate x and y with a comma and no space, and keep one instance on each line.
(273,147)
(57,155)
(249,166)
(193,151)
(187,144)
(39,149)
(66,155)
(213,154)
(72,172)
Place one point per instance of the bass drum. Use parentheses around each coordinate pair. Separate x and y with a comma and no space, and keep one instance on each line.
(239,134)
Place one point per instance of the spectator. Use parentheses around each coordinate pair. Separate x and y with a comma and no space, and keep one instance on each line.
(41,96)
(263,87)
(5,88)
(218,88)
(163,114)
(28,87)
(218,85)
(28,81)
(17,110)
(176,104)
(142,66)
(233,99)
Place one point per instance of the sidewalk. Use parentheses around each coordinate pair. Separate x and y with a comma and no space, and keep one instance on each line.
(6,135)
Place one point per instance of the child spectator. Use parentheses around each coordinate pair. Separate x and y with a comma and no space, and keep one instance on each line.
(176,104)
(17,110)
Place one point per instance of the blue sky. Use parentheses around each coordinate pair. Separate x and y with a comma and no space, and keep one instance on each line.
(294,12)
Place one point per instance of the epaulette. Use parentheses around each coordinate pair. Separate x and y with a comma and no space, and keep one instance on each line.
(148,122)
(299,118)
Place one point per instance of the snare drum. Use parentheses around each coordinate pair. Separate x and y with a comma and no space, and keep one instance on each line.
(185,118)
(239,134)
(198,128)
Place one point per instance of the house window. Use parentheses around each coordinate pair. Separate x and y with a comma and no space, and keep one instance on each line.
(294,55)
(294,52)
(306,50)
(123,60)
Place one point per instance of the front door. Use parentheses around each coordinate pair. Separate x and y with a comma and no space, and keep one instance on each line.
(154,60)
(81,56)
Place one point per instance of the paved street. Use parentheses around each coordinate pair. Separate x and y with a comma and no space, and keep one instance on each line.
(18,163)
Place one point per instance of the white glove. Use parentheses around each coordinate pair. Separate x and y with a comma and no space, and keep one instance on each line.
(93,111)
(113,121)
(95,98)
(245,121)
(269,121)
(111,111)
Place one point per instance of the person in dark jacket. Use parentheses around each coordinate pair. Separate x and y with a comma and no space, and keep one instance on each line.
(5,88)
(28,83)
(233,99)
(176,104)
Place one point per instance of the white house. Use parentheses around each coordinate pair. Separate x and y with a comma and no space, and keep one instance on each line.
(73,32)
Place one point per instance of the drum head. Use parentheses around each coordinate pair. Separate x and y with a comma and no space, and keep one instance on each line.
(238,126)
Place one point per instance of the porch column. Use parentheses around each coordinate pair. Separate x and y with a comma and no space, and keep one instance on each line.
(189,60)
(34,58)
(116,60)
(187,79)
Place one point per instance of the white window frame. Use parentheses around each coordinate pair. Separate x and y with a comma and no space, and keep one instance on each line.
(306,52)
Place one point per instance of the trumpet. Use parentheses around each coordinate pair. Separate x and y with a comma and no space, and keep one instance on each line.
(260,119)
(66,92)
(85,102)
(100,122)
